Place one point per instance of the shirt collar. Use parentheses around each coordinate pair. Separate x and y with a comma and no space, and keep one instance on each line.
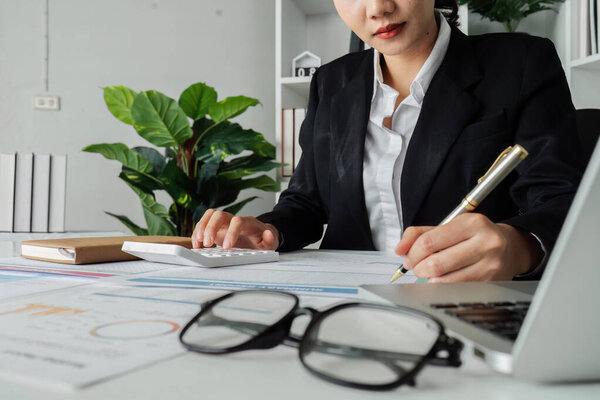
(420,84)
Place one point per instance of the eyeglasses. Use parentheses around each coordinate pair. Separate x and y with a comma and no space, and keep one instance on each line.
(361,345)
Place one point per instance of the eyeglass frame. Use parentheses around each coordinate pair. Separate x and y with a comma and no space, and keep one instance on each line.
(280,333)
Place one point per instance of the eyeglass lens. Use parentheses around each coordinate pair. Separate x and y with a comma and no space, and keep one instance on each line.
(368,345)
(238,318)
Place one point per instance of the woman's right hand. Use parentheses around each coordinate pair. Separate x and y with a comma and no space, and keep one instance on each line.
(227,230)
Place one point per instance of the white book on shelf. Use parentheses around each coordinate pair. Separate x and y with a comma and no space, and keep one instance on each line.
(41,193)
(23,186)
(299,114)
(598,25)
(584,29)
(287,142)
(7,191)
(593,27)
(58,186)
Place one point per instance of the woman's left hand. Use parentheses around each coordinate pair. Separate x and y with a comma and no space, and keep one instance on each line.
(468,248)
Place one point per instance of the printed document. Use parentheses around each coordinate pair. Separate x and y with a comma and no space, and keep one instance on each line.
(309,273)
(82,335)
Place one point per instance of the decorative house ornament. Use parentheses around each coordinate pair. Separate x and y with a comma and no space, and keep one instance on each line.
(306,64)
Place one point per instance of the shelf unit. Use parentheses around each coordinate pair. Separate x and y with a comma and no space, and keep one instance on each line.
(302,25)
(583,74)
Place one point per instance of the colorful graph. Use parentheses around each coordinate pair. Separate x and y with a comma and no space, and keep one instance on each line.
(135,329)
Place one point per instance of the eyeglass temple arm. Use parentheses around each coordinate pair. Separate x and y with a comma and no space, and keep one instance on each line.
(452,359)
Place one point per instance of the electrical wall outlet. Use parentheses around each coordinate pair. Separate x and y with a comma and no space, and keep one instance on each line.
(46,102)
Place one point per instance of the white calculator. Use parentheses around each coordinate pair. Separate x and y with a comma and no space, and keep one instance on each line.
(204,257)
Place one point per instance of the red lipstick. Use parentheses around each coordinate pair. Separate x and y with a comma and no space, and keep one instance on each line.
(389,31)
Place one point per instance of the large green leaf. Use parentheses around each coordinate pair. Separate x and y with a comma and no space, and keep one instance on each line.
(158,225)
(196,99)
(178,186)
(247,165)
(119,100)
(233,139)
(262,182)
(156,214)
(235,208)
(230,107)
(137,230)
(142,182)
(208,171)
(157,160)
(123,154)
(160,120)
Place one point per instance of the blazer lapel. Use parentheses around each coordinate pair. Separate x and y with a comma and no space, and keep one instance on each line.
(447,108)
(350,109)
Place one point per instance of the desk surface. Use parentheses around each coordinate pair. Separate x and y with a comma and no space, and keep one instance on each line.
(277,373)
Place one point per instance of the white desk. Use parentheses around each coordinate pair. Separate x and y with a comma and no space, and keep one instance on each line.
(278,374)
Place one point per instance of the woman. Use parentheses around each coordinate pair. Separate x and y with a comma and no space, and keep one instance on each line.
(395,136)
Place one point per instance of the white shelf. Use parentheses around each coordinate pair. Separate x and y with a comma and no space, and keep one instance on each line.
(299,85)
(589,62)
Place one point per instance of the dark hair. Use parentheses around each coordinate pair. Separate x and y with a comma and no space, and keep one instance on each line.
(449,9)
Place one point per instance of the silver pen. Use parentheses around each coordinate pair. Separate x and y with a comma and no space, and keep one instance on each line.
(504,164)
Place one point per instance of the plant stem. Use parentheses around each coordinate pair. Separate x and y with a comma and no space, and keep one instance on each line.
(184,162)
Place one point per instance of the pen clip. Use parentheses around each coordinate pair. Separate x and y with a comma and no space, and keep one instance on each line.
(500,157)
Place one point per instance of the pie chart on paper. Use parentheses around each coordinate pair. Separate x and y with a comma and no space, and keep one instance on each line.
(135,329)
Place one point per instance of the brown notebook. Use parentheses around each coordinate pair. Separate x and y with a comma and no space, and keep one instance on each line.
(89,250)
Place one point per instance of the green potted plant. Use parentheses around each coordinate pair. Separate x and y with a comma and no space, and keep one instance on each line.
(508,12)
(207,159)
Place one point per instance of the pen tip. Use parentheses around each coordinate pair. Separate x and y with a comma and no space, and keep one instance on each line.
(397,275)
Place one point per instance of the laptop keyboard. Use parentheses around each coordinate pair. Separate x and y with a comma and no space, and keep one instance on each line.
(502,318)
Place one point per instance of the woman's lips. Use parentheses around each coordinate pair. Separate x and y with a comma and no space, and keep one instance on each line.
(389,31)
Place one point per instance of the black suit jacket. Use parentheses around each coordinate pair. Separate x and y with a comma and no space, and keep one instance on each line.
(490,92)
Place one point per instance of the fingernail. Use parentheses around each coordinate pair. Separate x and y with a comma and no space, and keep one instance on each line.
(226,243)
(207,240)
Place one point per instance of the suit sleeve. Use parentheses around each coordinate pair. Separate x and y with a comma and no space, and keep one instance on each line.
(549,177)
(300,214)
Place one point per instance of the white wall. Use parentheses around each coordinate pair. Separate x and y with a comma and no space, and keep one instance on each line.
(144,44)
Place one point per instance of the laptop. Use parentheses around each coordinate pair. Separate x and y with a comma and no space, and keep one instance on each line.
(546,331)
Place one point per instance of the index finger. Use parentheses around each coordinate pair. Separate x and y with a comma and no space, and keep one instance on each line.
(201,225)
(435,240)
(410,235)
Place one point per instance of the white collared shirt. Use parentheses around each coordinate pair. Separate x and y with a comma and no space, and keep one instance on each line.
(385,149)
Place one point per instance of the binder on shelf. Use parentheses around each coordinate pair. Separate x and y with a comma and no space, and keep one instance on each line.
(23,186)
(584,22)
(41,193)
(597,26)
(299,114)
(287,142)
(593,32)
(7,191)
(58,185)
